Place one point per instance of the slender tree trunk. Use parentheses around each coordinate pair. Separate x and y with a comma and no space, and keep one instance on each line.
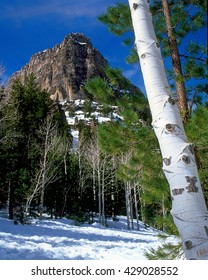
(189,210)
(65,184)
(127,205)
(35,191)
(113,188)
(142,206)
(43,178)
(112,199)
(94,184)
(99,196)
(180,87)
(136,206)
(131,207)
(42,193)
(103,195)
(41,205)
(10,201)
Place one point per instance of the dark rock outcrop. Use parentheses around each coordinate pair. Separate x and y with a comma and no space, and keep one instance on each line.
(63,69)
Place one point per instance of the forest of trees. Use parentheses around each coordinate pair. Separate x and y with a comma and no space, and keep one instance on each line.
(116,168)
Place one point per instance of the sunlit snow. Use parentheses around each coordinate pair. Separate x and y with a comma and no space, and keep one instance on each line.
(60,239)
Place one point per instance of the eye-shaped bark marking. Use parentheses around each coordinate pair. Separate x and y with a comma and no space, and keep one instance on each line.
(188,244)
(172,101)
(191,186)
(186,159)
(206,229)
(135,6)
(167,161)
(170,127)
(177,191)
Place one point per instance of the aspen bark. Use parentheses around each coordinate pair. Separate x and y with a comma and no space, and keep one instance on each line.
(103,194)
(136,206)
(127,204)
(44,168)
(189,210)
(131,207)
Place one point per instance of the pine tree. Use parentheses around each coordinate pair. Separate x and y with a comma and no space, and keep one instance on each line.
(177,68)
(197,132)
(22,118)
(129,141)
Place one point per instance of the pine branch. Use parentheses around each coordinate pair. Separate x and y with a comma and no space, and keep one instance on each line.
(192,57)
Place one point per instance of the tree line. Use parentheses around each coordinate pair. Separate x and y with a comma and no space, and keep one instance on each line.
(115,169)
(40,172)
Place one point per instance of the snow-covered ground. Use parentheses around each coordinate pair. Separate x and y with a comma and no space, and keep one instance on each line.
(61,240)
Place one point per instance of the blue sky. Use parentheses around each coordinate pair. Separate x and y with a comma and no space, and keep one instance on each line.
(31,26)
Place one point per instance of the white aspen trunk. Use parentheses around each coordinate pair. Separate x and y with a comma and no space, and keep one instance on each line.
(112,199)
(103,194)
(67,188)
(94,190)
(99,194)
(189,210)
(44,166)
(94,182)
(35,191)
(127,204)
(136,206)
(131,207)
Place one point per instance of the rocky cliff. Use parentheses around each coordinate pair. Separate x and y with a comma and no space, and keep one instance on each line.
(63,69)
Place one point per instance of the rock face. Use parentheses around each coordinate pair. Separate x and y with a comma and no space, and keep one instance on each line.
(63,69)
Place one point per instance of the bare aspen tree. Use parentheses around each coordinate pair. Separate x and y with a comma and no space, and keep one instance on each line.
(136,204)
(83,170)
(92,155)
(51,148)
(67,188)
(189,210)
(128,212)
(128,186)
(101,171)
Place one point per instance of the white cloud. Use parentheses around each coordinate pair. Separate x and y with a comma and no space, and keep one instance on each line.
(132,71)
(73,8)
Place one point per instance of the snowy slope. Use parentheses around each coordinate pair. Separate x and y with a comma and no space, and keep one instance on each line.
(60,240)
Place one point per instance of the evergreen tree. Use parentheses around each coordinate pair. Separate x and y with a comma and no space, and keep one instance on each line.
(197,132)
(129,141)
(23,116)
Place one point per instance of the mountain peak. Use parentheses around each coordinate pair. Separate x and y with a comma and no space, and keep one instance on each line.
(78,38)
(63,69)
